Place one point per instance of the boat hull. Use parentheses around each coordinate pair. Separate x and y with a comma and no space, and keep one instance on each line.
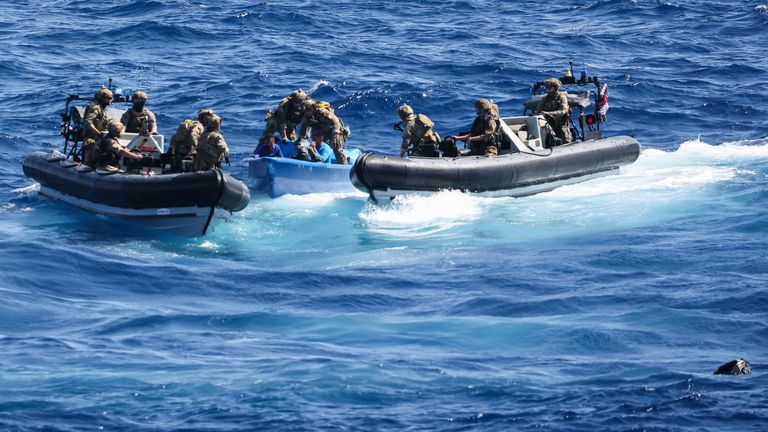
(185,204)
(277,176)
(515,174)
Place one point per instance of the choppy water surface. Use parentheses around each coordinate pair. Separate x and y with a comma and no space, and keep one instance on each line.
(605,305)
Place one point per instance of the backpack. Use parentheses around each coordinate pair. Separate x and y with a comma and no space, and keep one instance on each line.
(181,139)
(424,121)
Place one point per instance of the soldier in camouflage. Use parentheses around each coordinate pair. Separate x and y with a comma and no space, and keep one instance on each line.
(212,148)
(417,129)
(105,153)
(286,116)
(326,127)
(554,107)
(138,119)
(95,119)
(184,142)
(483,137)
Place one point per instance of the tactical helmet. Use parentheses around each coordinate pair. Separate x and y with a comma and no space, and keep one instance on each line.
(404,110)
(115,128)
(483,104)
(203,113)
(309,103)
(214,122)
(139,96)
(102,92)
(299,94)
(552,82)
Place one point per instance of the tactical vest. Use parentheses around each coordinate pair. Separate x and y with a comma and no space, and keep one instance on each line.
(135,122)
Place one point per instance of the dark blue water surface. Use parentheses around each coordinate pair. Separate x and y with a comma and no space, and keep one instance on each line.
(605,305)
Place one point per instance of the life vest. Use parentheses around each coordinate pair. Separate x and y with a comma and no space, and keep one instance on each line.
(136,122)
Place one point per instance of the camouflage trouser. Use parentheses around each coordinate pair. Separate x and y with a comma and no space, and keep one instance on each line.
(204,162)
(561,128)
(87,150)
(274,127)
(337,144)
(481,148)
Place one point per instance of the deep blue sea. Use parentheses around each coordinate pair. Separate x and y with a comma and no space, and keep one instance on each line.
(602,306)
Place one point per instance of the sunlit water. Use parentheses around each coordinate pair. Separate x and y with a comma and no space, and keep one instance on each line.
(604,305)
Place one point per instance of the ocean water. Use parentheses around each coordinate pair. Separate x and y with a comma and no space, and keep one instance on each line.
(604,305)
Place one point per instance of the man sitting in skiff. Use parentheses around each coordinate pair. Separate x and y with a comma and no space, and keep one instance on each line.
(107,150)
(267,147)
(554,107)
(482,138)
(138,119)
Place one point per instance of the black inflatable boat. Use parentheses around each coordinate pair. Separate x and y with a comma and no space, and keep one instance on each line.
(188,204)
(515,174)
(531,160)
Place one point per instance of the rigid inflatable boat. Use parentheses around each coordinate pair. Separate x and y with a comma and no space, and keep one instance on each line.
(277,176)
(187,204)
(530,163)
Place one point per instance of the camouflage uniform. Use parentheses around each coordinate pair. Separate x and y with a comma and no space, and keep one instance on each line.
(417,134)
(324,122)
(556,106)
(95,118)
(211,148)
(417,129)
(286,116)
(106,150)
(139,119)
(186,138)
(184,142)
(487,125)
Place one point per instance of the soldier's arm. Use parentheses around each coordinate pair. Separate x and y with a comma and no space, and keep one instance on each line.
(126,117)
(281,116)
(89,121)
(407,129)
(221,144)
(304,127)
(152,123)
(223,149)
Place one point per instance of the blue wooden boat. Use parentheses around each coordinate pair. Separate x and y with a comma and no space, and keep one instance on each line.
(278,176)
